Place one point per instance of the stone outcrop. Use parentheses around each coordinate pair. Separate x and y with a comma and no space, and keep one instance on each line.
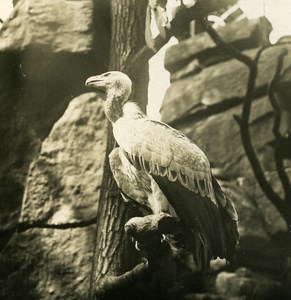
(69,31)
(226,86)
(51,160)
(63,182)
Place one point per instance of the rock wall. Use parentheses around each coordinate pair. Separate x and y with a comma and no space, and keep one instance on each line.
(46,50)
(207,89)
(50,172)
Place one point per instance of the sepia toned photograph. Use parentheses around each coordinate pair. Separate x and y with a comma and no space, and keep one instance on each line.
(145,150)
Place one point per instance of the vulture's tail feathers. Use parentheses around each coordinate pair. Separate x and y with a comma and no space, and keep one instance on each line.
(229,220)
(201,251)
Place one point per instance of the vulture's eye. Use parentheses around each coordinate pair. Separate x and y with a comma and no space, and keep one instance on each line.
(106,74)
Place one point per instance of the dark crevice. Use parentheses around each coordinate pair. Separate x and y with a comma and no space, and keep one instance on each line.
(208,111)
(204,112)
(7,234)
(23,226)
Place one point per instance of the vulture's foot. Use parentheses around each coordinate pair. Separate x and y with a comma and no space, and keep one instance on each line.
(146,231)
(137,245)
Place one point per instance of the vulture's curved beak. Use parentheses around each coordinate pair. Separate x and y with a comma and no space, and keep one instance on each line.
(93,81)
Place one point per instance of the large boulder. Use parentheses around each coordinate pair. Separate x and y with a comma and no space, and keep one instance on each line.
(63,183)
(53,248)
(62,21)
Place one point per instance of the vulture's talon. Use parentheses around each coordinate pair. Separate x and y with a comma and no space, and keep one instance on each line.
(136,245)
(163,238)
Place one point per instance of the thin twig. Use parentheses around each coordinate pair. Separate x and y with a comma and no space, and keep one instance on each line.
(271,93)
(277,120)
(24,225)
(225,46)
(281,172)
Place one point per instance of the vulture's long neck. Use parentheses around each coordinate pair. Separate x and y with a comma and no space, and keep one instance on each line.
(113,104)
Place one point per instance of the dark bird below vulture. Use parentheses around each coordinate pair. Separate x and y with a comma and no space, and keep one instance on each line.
(161,169)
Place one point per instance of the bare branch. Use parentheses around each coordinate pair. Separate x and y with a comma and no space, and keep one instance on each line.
(113,284)
(245,135)
(147,231)
(271,93)
(277,120)
(25,225)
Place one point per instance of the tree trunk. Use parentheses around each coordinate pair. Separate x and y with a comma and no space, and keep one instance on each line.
(114,252)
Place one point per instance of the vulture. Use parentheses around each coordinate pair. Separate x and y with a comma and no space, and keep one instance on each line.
(164,171)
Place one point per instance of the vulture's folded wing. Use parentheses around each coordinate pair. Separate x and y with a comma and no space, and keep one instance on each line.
(161,150)
(133,184)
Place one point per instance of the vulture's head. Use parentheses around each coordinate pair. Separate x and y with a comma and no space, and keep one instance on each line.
(117,87)
(113,82)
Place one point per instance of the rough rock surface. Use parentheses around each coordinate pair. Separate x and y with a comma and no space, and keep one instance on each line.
(226,86)
(47,264)
(32,18)
(222,131)
(54,50)
(64,181)
(47,50)
(258,222)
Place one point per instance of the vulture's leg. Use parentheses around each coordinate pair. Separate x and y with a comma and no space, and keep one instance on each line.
(160,204)
(158,201)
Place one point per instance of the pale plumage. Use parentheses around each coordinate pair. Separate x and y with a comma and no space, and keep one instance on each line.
(162,150)
(161,169)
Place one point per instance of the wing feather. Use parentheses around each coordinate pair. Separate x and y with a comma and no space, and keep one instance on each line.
(158,149)
(133,184)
